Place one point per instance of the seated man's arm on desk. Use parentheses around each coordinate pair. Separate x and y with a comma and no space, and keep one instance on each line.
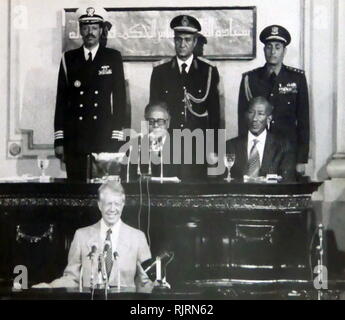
(71,274)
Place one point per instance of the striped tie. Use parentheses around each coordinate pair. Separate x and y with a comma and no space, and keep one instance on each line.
(109,254)
(253,161)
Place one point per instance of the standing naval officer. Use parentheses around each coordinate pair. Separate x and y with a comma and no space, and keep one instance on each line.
(91,98)
(285,88)
(188,84)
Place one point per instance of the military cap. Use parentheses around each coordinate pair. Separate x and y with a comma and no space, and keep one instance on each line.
(184,23)
(275,33)
(91,15)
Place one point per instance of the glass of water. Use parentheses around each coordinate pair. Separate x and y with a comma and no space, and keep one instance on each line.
(42,164)
(229,160)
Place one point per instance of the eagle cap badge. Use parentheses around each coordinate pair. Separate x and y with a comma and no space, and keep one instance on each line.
(275,31)
(90,11)
(185,21)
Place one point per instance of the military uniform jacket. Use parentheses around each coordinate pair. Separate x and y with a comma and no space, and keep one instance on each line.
(289,96)
(167,85)
(91,102)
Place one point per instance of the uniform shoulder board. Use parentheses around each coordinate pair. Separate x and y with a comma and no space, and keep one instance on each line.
(295,69)
(160,62)
(207,61)
(250,71)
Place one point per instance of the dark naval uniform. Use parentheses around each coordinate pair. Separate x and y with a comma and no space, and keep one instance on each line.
(200,89)
(288,93)
(90,105)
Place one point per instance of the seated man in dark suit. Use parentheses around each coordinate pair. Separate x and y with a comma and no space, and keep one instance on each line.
(259,152)
(161,152)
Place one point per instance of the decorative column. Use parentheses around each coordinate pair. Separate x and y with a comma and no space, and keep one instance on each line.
(324,41)
(335,189)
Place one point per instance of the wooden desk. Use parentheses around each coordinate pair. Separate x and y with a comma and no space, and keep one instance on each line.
(218,230)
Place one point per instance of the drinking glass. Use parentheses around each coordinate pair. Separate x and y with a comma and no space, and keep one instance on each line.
(229,160)
(42,164)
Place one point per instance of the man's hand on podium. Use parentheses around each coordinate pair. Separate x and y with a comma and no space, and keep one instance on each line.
(300,168)
(143,282)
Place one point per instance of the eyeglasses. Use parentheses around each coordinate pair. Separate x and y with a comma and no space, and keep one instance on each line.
(160,122)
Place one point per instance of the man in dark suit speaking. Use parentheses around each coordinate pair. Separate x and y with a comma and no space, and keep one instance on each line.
(259,152)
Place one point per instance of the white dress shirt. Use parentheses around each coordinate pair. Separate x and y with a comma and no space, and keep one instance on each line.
(260,145)
(114,236)
(93,52)
(188,62)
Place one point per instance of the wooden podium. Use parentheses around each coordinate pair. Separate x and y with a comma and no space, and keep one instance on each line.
(220,232)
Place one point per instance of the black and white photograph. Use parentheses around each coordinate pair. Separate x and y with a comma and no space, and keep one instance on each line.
(178,151)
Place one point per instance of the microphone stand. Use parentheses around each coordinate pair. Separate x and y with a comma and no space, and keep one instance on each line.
(149,173)
(161,154)
(150,168)
(105,276)
(116,255)
(139,156)
(320,262)
(128,162)
(92,283)
(102,275)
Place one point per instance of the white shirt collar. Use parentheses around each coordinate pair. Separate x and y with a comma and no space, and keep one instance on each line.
(93,52)
(188,62)
(260,145)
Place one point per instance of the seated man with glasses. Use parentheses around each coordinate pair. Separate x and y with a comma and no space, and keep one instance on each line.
(162,152)
(149,154)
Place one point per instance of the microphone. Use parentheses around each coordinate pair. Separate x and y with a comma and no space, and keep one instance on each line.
(149,266)
(116,255)
(155,142)
(107,244)
(92,252)
(91,256)
(128,162)
(140,136)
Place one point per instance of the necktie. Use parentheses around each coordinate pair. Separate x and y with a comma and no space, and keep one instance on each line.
(272,80)
(184,73)
(253,161)
(273,77)
(109,254)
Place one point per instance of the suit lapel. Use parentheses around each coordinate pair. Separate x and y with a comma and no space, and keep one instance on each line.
(242,154)
(78,65)
(122,245)
(175,71)
(95,238)
(122,249)
(93,68)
